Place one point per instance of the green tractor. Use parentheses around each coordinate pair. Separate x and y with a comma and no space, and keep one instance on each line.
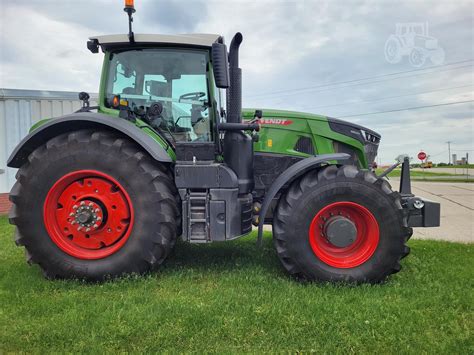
(170,153)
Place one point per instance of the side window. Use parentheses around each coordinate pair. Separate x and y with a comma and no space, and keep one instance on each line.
(125,80)
(174,77)
(190,93)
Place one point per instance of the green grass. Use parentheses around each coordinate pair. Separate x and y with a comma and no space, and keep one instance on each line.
(469,166)
(428,176)
(397,173)
(232,297)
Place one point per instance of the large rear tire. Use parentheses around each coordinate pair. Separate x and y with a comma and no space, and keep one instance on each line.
(340,224)
(92,205)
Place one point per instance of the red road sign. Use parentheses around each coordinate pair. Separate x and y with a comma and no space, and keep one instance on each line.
(422,155)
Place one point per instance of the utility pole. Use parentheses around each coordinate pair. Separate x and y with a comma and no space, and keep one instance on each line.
(449,151)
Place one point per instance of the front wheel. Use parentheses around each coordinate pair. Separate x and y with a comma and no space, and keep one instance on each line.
(340,224)
(92,205)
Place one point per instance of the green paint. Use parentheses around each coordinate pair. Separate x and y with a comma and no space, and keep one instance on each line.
(284,137)
(39,124)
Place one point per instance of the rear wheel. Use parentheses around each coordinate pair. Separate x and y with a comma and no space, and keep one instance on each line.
(92,205)
(340,224)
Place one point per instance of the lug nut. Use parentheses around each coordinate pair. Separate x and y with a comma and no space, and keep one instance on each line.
(82,203)
(79,228)
(74,207)
(88,229)
(91,204)
(99,218)
(95,226)
(71,214)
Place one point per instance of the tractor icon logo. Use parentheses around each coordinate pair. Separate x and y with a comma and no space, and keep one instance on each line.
(414,41)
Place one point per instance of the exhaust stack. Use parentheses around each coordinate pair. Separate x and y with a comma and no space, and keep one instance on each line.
(234,93)
(238,146)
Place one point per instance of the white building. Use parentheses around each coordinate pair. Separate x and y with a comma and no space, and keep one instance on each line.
(19,110)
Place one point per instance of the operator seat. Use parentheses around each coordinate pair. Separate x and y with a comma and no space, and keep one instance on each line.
(129,90)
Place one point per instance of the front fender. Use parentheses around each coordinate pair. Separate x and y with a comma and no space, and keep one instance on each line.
(290,174)
(85,120)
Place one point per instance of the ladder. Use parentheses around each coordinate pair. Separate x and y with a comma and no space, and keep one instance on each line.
(198,220)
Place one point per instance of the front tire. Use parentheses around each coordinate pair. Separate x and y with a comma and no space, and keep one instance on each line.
(92,205)
(340,224)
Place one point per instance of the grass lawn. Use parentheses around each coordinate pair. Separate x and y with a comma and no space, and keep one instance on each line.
(232,297)
(414,174)
(468,166)
(428,176)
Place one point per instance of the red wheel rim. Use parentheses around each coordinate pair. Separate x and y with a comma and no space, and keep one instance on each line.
(88,214)
(355,254)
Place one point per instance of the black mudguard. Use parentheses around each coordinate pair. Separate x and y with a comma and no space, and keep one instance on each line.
(290,174)
(85,120)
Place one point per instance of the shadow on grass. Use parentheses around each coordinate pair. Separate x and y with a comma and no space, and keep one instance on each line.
(241,254)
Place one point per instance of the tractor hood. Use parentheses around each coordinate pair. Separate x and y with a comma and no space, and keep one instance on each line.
(282,117)
(353,130)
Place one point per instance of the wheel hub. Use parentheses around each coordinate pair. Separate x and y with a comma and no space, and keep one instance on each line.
(88,214)
(344,234)
(340,231)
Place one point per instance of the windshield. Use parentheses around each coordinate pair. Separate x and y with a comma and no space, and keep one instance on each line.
(175,78)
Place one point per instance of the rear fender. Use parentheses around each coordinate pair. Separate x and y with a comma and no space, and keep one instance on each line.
(86,120)
(289,175)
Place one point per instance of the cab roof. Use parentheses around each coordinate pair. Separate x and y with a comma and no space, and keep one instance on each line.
(193,39)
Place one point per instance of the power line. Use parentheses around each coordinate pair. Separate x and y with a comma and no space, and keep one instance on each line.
(269,93)
(435,155)
(366,83)
(407,109)
(388,97)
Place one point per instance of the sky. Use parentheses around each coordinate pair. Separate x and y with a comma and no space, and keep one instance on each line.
(324,57)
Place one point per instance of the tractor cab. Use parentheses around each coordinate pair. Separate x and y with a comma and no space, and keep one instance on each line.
(166,81)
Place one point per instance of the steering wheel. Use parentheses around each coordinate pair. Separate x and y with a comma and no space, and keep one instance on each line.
(192,95)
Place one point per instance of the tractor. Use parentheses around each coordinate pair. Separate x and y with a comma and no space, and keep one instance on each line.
(169,153)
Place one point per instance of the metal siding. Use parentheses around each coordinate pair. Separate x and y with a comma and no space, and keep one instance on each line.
(19,110)
(3,150)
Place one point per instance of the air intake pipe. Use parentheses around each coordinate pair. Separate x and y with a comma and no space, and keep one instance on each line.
(238,146)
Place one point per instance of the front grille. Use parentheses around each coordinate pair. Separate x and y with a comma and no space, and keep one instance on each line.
(304,145)
(344,148)
(371,152)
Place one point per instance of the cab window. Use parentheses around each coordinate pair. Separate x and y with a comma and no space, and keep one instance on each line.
(176,78)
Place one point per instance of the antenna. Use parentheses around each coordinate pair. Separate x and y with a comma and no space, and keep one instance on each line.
(130,9)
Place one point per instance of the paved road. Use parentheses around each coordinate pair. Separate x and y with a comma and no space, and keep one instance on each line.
(457,210)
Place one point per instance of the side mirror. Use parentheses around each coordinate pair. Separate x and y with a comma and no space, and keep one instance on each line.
(220,65)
